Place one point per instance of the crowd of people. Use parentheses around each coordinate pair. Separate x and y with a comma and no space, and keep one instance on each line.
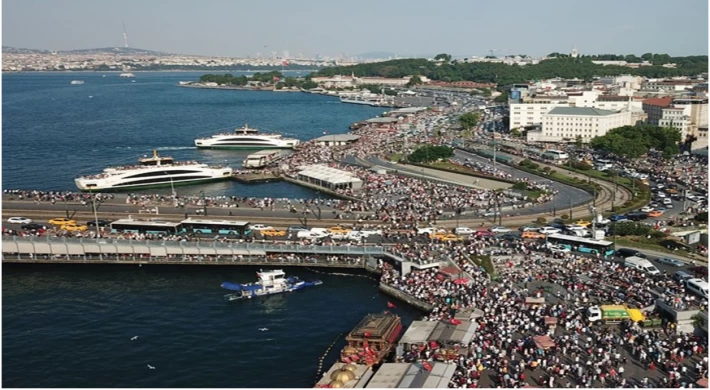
(505,351)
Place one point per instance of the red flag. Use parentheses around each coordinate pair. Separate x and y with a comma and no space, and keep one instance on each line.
(346,360)
(276,78)
(367,334)
(427,366)
(422,347)
(355,358)
(454,321)
(365,345)
(391,305)
(284,63)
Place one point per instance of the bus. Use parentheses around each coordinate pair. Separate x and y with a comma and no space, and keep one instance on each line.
(146,227)
(555,155)
(583,245)
(225,228)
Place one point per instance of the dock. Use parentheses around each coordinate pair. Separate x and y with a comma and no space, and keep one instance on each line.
(253,178)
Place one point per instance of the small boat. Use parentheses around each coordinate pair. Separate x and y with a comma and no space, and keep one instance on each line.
(77,82)
(270,282)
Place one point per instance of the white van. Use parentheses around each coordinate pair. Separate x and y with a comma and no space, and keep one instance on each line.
(641,264)
(698,287)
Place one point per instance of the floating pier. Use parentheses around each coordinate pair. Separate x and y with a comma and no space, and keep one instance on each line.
(253,178)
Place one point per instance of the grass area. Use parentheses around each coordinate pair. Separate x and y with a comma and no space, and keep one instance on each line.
(533,194)
(487,264)
(396,157)
(453,167)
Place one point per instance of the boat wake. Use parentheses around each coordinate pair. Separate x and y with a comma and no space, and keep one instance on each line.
(176,148)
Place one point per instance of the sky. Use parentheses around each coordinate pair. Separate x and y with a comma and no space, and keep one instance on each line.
(463,28)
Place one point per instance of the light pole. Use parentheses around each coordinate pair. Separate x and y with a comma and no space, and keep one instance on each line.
(204,203)
(96,217)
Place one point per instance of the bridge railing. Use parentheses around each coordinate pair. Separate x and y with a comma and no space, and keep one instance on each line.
(111,246)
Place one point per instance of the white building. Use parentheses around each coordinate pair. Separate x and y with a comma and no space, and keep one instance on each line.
(530,112)
(565,124)
(677,118)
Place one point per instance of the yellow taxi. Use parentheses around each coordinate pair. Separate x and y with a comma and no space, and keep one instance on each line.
(583,223)
(73,227)
(339,230)
(61,221)
(273,233)
(445,237)
(533,235)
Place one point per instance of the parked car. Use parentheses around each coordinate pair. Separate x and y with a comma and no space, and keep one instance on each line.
(295,229)
(533,235)
(61,221)
(72,227)
(617,218)
(670,261)
(257,226)
(558,248)
(499,229)
(484,233)
(626,252)
(646,209)
(549,230)
(19,220)
(528,228)
(272,232)
(102,222)
(33,226)
(464,230)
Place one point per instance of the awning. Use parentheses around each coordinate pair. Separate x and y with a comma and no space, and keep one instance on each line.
(9,247)
(544,342)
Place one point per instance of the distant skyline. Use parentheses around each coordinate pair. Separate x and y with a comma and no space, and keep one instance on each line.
(332,28)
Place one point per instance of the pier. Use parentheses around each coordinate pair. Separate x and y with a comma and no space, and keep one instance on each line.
(252,178)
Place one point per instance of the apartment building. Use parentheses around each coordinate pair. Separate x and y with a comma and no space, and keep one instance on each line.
(566,124)
(654,108)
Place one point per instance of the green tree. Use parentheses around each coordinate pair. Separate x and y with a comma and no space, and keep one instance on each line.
(578,141)
(415,80)
(503,98)
(469,120)
(635,141)
(515,133)
(443,56)
(430,153)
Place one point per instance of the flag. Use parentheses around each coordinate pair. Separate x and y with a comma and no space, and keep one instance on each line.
(454,321)
(284,63)
(276,78)
(391,305)
(427,366)
(346,360)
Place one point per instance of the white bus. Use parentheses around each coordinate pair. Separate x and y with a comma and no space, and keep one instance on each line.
(555,155)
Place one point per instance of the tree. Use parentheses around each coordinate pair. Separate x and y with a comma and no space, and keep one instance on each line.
(502,98)
(469,120)
(635,141)
(578,141)
(414,80)
(443,56)
(515,133)
(308,84)
(430,153)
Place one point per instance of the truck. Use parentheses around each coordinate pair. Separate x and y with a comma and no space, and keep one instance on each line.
(641,264)
(613,314)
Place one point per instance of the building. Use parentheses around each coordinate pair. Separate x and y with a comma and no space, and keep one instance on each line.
(330,178)
(529,111)
(567,124)
(337,81)
(413,376)
(667,85)
(654,108)
(462,84)
(676,118)
(336,139)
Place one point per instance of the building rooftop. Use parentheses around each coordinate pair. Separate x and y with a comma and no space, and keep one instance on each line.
(589,111)
(338,138)
(663,102)
(382,120)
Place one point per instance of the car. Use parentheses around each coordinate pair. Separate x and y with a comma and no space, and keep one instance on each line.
(308,234)
(339,230)
(660,195)
(575,227)
(102,222)
(511,236)
(667,201)
(655,213)
(558,249)
(259,226)
(583,223)
(528,228)
(484,233)
(699,271)
(670,261)
(533,235)
(73,227)
(626,252)
(370,232)
(61,221)
(293,229)
(19,220)
(646,209)
(33,226)
(464,230)
(499,229)
(451,237)
(549,230)
(272,232)
(429,230)
(617,218)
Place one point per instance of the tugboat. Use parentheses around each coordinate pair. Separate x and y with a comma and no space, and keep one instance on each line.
(372,340)
(270,282)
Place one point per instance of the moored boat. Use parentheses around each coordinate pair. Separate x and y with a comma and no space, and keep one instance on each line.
(372,340)
(270,282)
(246,138)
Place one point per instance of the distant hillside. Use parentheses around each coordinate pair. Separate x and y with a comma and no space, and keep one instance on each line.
(102,50)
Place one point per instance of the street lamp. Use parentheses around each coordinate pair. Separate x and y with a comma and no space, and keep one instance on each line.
(204,203)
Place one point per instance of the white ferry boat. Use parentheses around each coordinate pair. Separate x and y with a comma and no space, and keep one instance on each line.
(270,282)
(153,171)
(264,158)
(246,138)
(127,75)
(77,82)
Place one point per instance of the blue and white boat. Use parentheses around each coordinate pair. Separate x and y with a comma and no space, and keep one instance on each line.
(270,282)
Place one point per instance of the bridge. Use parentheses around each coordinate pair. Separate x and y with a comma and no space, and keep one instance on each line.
(89,250)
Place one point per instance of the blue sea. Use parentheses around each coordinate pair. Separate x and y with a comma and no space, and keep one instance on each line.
(71,325)
(81,129)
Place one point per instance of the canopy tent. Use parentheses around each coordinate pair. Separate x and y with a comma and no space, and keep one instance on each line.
(544,342)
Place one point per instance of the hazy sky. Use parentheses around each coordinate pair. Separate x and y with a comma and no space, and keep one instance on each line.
(331,27)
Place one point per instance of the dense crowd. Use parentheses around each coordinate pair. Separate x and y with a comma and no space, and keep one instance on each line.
(505,350)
